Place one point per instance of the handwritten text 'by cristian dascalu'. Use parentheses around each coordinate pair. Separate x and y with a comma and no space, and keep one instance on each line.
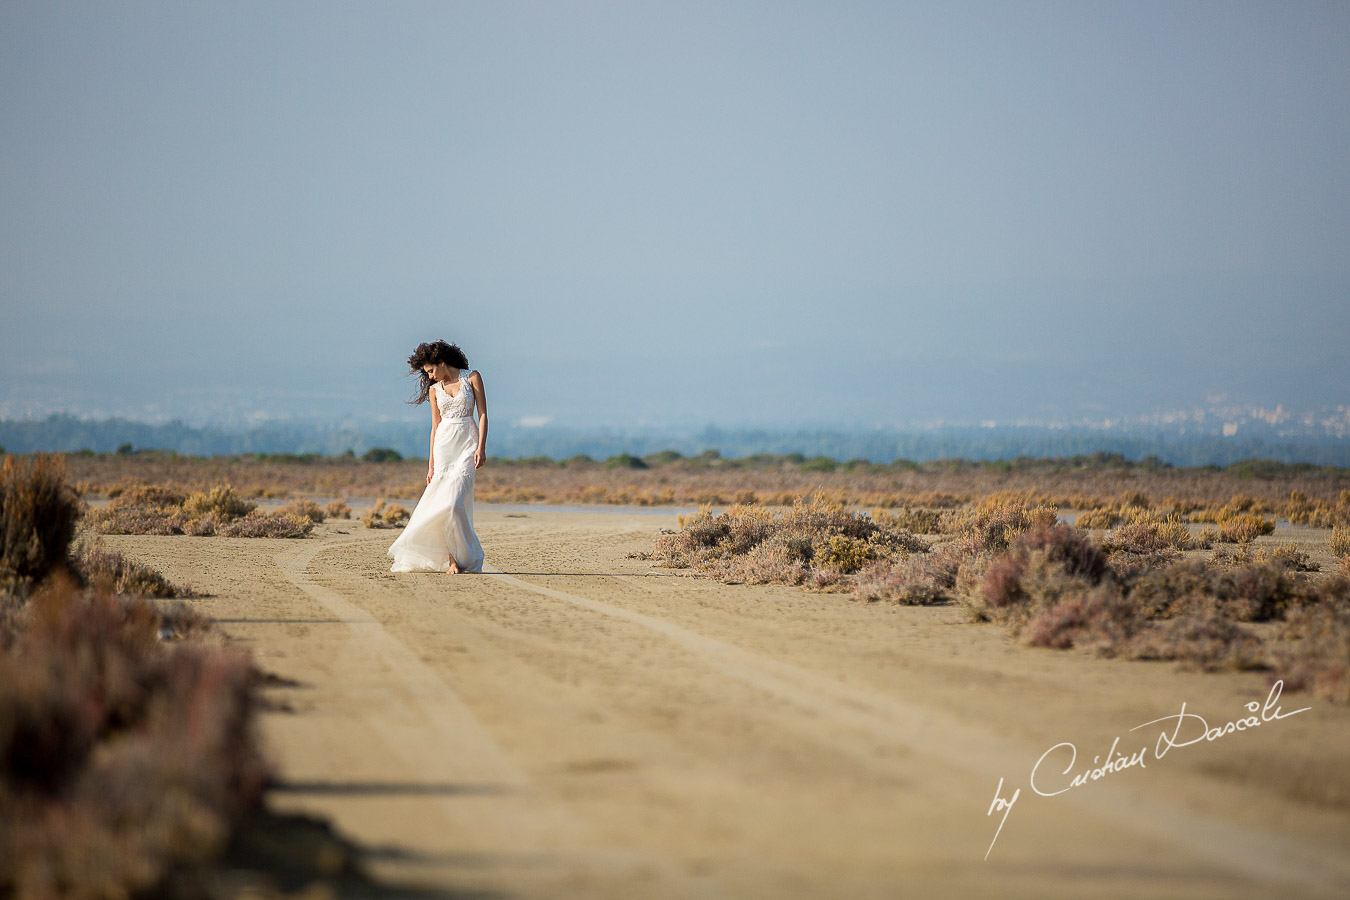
(1051,774)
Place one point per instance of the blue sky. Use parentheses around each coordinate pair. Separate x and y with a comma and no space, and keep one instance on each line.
(669,214)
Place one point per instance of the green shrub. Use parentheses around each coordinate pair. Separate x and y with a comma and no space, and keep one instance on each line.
(845,554)
(665,457)
(382,455)
(624,461)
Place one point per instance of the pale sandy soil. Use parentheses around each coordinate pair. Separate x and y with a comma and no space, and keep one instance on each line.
(588,726)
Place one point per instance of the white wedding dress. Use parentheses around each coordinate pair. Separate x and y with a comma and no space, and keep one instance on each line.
(441,525)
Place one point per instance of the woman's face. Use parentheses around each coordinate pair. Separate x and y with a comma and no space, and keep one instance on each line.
(437,371)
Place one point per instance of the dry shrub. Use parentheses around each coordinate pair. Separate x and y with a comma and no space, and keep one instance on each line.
(704,537)
(1318,513)
(993,523)
(778,559)
(1317,658)
(1056,588)
(1256,592)
(1091,617)
(221,501)
(1200,640)
(1173,590)
(1340,541)
(385,515)
(139,493)
(148,509)
(122,759)
(136,520)
(126,758)
(1238,521)
(916,521)
(1244,528)
(111,571)
(1284,556)
(38,512)
(918,579)
(815,543)
(1081,483)
(1041,567)
(1238,505)
(1127,509)
(338,509)
(266,525)
(1101,517)
(304,509)
(1150,537)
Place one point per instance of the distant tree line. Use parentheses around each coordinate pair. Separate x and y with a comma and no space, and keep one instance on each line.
(823,448)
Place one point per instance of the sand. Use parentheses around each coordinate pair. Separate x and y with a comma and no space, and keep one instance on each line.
(581,724)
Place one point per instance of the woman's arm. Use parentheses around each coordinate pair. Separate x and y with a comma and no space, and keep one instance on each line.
(435,423)
(480,395)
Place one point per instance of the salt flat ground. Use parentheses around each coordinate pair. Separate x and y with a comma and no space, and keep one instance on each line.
(580,724)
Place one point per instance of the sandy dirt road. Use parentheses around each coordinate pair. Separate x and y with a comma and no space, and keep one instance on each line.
(580,724)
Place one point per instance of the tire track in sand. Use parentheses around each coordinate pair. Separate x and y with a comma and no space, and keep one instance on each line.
(499,803)
(1235,848)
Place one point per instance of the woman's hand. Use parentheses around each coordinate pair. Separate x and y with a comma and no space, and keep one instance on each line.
(479,457)
(430,471)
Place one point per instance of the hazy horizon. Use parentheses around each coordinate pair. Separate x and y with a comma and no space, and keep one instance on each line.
(670,215)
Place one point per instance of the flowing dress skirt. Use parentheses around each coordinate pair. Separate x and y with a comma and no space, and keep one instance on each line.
(441,525)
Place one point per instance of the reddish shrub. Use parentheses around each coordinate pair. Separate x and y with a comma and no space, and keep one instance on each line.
(1070,549)
(1318,657)
(1003,582)
(1201,640)
(1098,618)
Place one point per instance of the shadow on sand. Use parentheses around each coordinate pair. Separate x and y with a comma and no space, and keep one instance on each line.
(273,853)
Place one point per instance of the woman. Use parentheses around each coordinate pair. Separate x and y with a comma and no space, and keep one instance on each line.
(440,536)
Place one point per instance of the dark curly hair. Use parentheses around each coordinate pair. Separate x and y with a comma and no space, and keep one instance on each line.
(429,355)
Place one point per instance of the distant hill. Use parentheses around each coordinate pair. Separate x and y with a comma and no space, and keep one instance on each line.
(68,434)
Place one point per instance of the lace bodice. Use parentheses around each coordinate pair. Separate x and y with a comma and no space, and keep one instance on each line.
(457,406)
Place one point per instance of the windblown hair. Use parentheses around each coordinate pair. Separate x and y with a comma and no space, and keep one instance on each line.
(429,355)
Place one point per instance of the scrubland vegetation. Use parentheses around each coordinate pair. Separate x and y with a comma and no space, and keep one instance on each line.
(1144,588)
(143,508)
(129,762)
(1300,494)
(386,515)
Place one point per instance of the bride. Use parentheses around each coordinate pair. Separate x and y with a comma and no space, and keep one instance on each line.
(439,535)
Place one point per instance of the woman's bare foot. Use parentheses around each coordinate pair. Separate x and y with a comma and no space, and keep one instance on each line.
(453,568)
